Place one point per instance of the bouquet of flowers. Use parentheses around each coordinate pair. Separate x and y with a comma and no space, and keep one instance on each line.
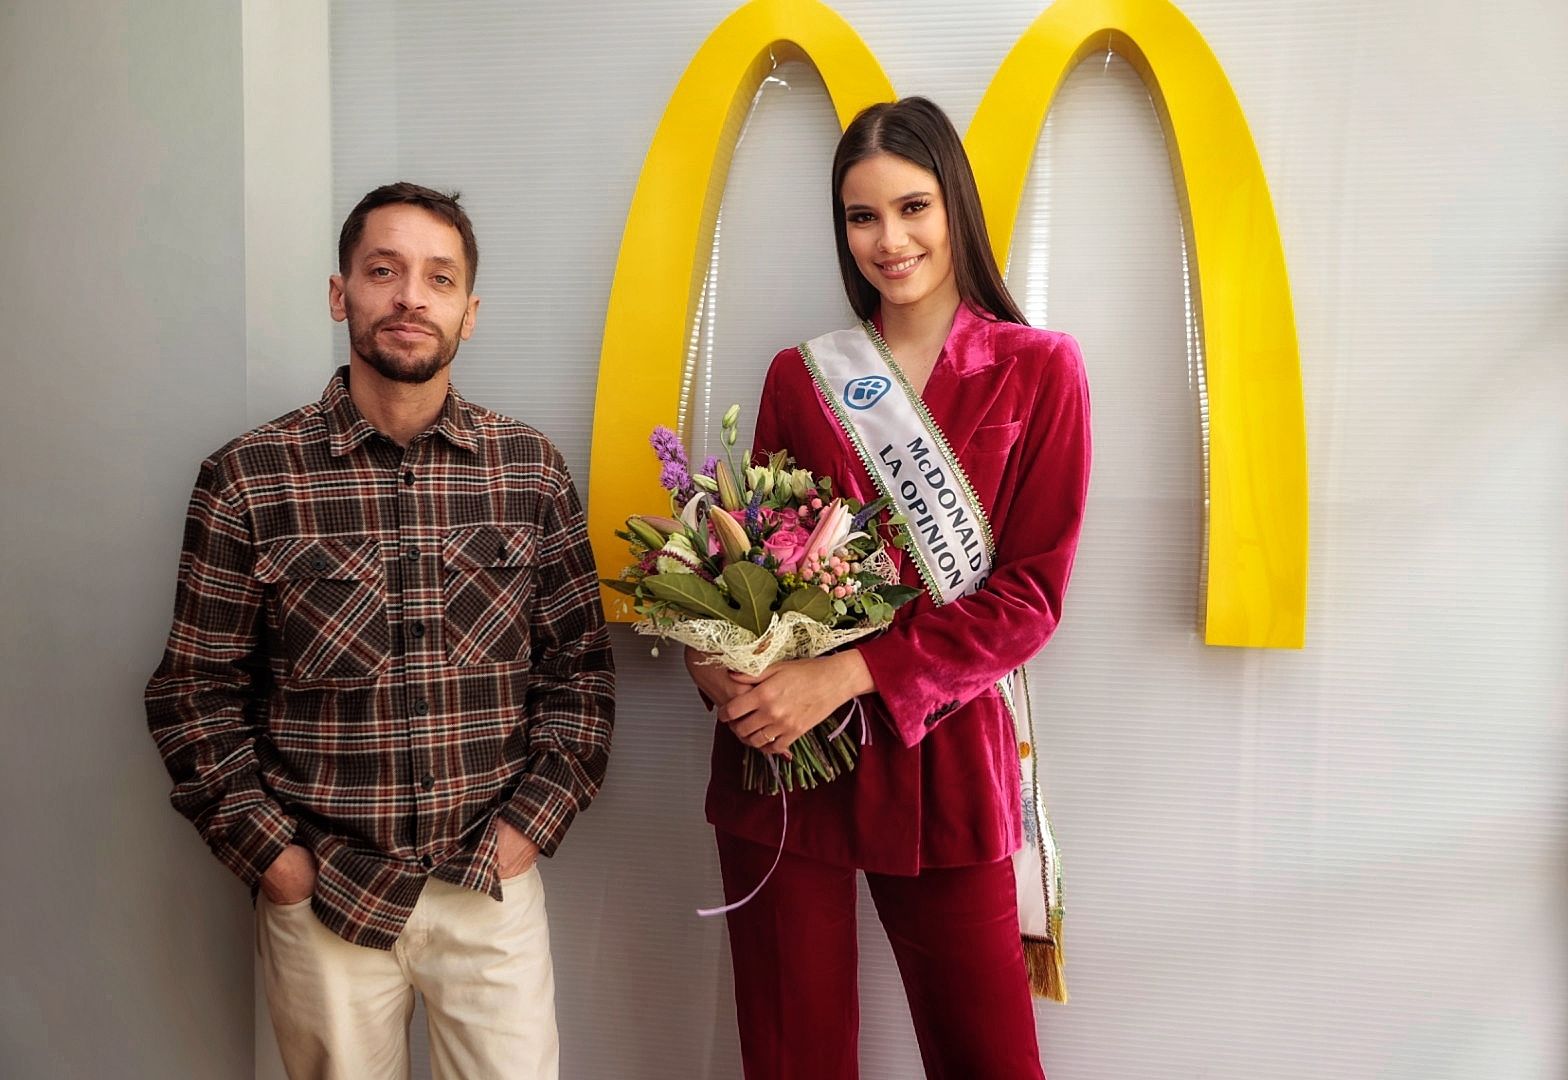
(757,564)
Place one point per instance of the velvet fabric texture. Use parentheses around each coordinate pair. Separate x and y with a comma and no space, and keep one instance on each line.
(939,784)
(954,934)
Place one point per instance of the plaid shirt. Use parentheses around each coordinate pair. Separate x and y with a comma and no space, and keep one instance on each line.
(378,650)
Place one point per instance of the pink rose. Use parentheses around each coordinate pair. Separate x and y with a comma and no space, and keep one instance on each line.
(787,545)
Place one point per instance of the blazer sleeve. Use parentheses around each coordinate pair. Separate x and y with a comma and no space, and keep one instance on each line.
(929,664)
(770,434)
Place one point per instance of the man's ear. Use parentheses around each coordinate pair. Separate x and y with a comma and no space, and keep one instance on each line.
(469,316)
(335,298)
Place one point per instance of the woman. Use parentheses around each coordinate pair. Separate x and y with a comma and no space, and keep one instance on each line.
(931,813)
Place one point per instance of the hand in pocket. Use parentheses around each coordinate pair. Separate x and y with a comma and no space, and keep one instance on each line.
(515,854)
(292,876)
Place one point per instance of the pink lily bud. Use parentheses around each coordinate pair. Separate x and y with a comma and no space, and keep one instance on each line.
(733,540)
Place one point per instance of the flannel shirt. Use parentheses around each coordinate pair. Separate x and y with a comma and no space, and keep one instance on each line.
(376,651)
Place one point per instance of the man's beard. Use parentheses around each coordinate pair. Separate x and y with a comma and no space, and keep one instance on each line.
(401,366)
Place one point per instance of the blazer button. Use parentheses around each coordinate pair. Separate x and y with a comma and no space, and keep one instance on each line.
(1024,750)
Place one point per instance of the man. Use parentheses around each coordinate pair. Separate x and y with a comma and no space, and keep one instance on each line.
(388,688)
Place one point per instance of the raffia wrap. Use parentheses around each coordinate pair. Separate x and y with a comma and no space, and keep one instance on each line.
(790,636)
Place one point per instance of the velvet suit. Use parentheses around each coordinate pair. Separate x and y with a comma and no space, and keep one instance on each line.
(937,788)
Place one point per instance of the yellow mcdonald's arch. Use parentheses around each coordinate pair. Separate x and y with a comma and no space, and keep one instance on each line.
(1257,440)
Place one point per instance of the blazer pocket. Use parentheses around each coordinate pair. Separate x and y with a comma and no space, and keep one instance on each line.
(995,438)
(486,587)
(329,605)
(986,456)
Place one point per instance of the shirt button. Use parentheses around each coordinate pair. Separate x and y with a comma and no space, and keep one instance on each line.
(426,861)
(427,781)
(412,554)
(408,478)
(418,628)
(318,564)
(421,706)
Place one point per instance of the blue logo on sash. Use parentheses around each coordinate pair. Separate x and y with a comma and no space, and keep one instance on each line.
(866,391)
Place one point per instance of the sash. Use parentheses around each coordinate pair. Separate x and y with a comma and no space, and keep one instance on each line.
(909,459)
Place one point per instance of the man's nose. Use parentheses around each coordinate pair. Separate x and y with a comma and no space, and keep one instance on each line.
(411,294)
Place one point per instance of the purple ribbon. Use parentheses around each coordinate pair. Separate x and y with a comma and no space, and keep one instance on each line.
(777,855)
(854,710)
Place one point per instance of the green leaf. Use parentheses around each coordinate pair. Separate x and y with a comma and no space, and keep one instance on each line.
(692,594)
(627,587)
(877,612)
(754,589)
(898,595)
(812,602)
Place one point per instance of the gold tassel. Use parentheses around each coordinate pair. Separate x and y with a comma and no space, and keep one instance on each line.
(1044,961)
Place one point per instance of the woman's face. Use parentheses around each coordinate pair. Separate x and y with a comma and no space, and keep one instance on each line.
(896,223)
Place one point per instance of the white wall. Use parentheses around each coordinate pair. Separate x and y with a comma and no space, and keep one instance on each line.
(1346,861)
(126,945)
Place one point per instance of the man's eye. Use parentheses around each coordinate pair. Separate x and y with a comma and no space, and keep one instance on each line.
(442,279)
(380,271)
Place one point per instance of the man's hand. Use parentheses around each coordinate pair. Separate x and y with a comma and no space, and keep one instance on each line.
(291,877)
(514,852)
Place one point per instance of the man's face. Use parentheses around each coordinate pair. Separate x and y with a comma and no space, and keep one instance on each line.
(405,295)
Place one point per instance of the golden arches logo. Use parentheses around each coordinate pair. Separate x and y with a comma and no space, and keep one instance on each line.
(1257,536)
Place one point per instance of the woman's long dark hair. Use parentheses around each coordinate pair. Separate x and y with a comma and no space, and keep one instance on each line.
(913,128)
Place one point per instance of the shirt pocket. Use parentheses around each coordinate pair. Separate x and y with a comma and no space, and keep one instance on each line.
(986,456)
(329,601)
(487,582)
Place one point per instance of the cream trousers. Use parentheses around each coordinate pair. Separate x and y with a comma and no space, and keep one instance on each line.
(342,1010)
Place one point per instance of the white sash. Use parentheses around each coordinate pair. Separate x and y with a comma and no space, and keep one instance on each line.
(909,459)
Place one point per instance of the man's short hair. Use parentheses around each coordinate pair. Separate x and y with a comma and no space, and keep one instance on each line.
(443,205)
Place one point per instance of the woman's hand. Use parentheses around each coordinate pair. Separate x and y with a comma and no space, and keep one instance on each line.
(792,697)
(717,684)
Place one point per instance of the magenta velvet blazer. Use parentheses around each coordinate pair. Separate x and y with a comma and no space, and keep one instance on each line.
(939,784)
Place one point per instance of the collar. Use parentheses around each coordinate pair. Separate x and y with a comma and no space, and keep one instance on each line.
(967,347)
(347,428)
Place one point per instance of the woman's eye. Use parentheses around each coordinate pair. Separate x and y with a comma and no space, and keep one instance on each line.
(860,217)
(915,207)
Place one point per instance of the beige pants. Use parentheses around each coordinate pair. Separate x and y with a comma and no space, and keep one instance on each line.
(342,1010)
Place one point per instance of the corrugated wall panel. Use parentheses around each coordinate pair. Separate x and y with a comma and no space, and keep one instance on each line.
(1341,862)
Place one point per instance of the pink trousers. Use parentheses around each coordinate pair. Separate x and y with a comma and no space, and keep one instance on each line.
(954,934)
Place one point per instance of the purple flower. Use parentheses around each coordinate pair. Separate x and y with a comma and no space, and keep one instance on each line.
(710,468)
(676,472)
(867,512)
(674,477)
(752,509)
